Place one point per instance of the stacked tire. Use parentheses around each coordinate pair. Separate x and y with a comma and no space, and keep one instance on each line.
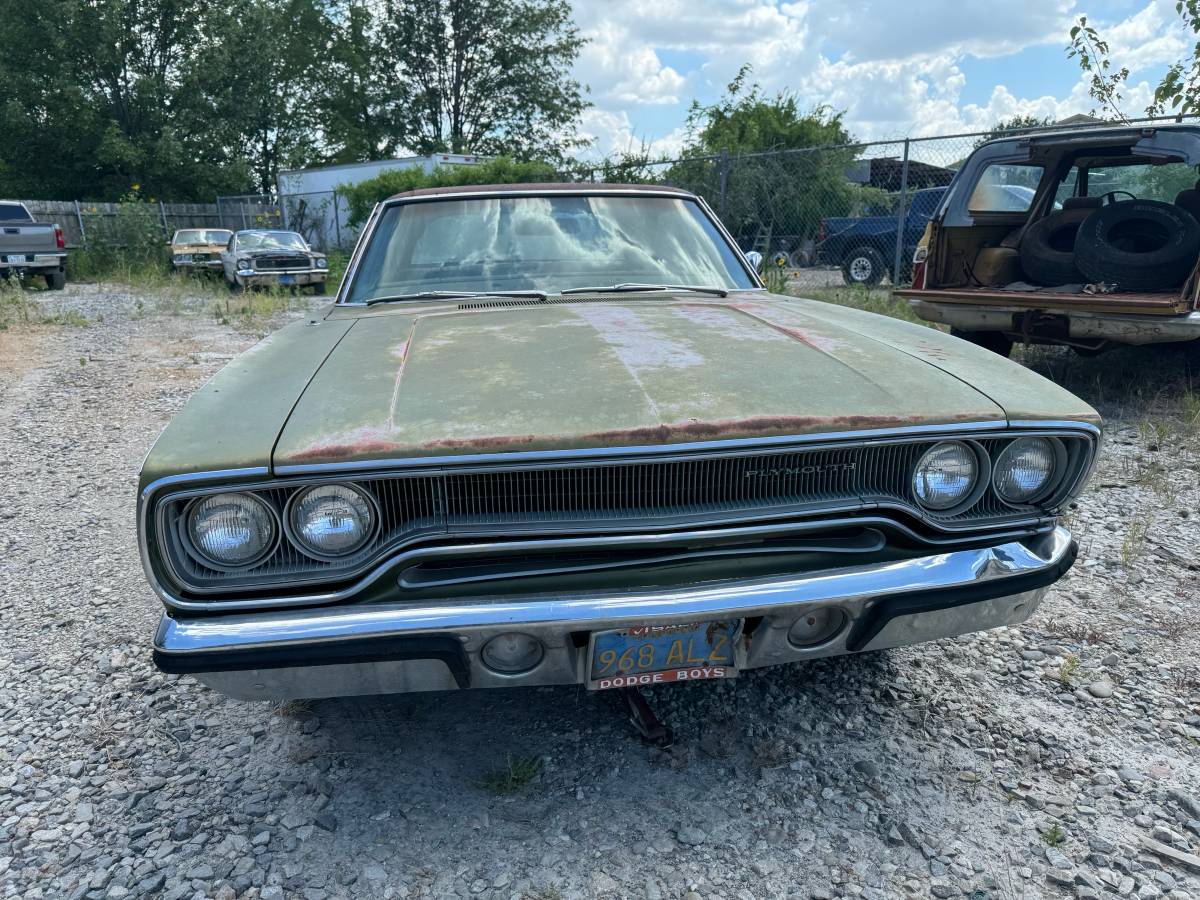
(1136,245)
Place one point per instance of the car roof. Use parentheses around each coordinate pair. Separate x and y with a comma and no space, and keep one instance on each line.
(1051,134)
(543,188)
(267,231)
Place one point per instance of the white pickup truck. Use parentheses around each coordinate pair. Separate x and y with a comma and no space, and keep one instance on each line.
(31,248)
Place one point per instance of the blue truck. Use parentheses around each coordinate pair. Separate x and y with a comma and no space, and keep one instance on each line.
(865,247)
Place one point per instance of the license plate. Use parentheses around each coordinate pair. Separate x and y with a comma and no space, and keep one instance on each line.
(658,654)
(287,279)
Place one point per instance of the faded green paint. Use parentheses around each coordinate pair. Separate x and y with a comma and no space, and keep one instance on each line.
(1022,393)
(430,380)
(232,422)
(650,371)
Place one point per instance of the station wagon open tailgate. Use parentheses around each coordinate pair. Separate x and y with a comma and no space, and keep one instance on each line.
(1155,304)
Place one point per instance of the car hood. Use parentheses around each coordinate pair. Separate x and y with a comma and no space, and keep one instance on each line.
(580,375)
(197,248)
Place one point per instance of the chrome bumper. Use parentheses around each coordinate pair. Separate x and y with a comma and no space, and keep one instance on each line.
(1081,325)
(299,276)
(346,650)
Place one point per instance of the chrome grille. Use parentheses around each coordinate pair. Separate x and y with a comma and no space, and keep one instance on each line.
(620,495)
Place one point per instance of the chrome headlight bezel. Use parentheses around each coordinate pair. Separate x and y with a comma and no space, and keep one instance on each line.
(979,485)
(373,521)
(1058,471)
(186,539)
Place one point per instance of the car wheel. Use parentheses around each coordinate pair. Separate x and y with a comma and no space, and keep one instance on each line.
(863,266)
(1048,248)
(56,281)
(995,341)
(1138,245)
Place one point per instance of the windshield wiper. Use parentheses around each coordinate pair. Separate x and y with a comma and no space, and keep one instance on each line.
(637,286)
(456,295)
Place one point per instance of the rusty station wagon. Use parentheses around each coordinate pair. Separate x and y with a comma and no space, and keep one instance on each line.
(560,434)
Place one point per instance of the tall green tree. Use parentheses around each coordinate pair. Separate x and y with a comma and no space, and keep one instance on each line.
(484,76)
(250,89)
(768,193)
(360,92)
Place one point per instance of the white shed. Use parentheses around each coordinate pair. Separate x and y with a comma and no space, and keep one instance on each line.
(309,205)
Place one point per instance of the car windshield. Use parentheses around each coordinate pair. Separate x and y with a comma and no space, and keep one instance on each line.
(271,240)
(549,243)
(202,236)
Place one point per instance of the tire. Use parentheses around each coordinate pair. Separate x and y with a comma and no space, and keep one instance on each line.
(1048,248)
(863,265)
(1138,245)
(996,341)
(56,281)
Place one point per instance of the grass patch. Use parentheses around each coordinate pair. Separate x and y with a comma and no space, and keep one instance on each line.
(17,307)
(513,776)
(875,300)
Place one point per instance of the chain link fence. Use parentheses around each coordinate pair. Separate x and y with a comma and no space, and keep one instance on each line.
(826,216)
(823,216)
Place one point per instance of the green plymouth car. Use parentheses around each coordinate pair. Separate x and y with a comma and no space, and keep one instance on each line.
(560,434)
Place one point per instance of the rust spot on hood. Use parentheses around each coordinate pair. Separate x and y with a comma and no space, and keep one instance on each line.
(375,442)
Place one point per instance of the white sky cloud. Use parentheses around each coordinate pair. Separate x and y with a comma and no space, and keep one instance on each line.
(923,68)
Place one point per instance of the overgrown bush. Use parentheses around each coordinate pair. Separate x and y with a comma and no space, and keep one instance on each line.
(126,245)
(362,197)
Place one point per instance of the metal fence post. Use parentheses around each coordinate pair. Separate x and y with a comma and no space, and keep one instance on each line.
(900,218)
(79,219)
(337,223)
(724,174)
(242,207)
(162,211)
(220,215)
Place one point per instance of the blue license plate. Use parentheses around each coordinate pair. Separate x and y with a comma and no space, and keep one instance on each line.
(643,655)
(287,279)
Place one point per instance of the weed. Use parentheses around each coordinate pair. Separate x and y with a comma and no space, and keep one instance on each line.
(1054,835)
(775,278)
(1066,672)
(1134,540)
(515,775)
(294,709)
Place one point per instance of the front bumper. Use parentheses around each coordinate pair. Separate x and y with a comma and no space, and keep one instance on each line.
(378,649)
(252,278)
(213,264)
(1082,325)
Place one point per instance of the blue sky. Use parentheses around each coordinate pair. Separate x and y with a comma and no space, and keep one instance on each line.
(919,67)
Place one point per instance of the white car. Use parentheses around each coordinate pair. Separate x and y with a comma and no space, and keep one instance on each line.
(258,257)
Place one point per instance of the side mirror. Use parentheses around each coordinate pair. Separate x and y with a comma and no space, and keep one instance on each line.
(755,259)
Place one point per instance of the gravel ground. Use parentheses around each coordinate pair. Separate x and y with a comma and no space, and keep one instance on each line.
(1027,762)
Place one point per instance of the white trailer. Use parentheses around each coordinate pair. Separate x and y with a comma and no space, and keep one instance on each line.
(309,203)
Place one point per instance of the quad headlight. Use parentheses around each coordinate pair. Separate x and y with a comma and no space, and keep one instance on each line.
(331,520)
(946,475)
(1024,469)
(231,530)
